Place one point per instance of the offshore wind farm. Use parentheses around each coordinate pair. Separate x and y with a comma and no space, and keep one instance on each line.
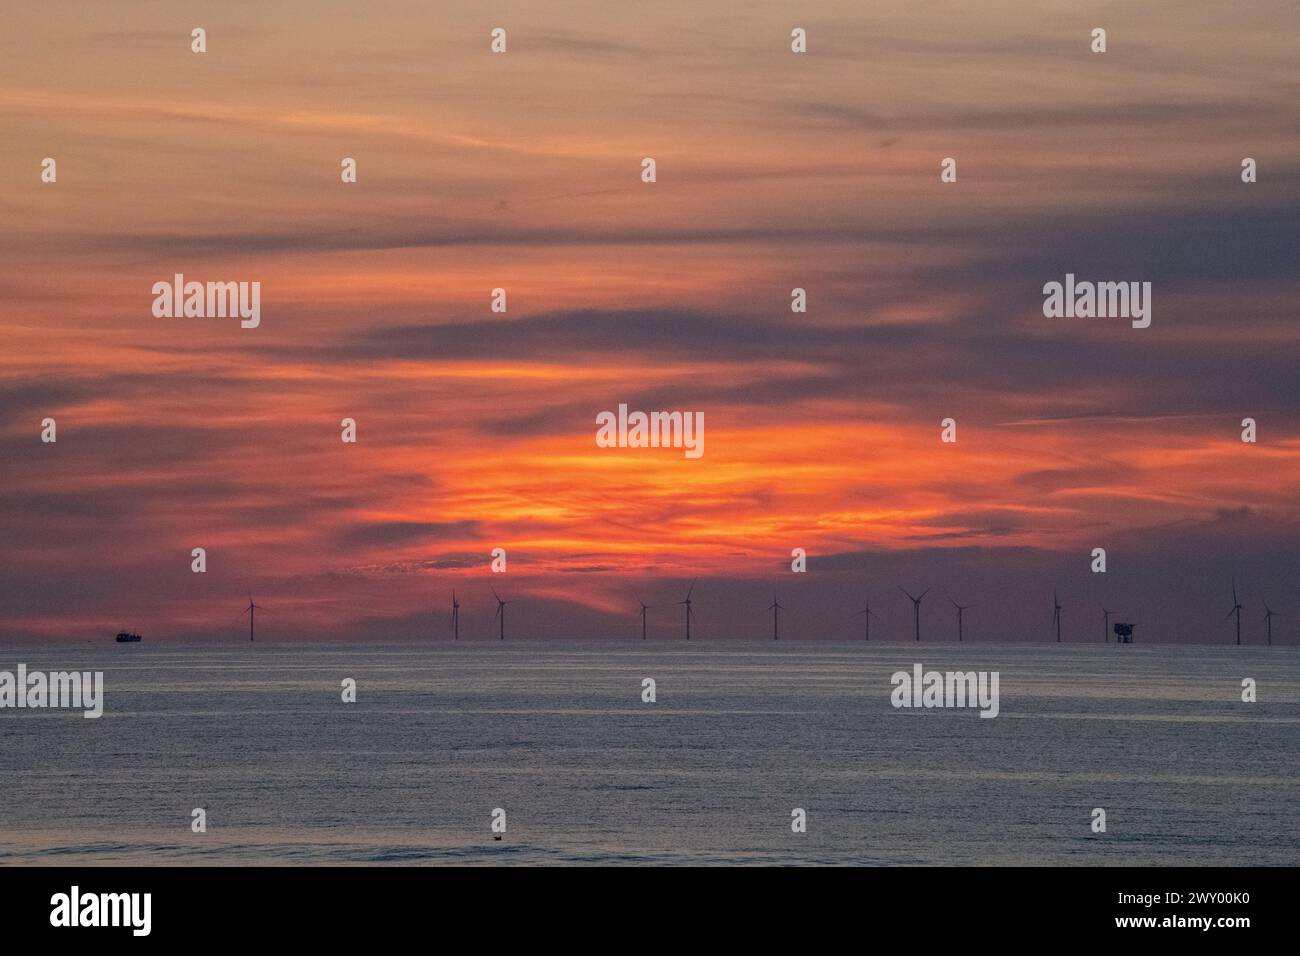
(555,729)
(825,613)
(737,629)
(355,490)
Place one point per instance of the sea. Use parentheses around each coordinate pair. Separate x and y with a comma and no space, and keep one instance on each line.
(556,740)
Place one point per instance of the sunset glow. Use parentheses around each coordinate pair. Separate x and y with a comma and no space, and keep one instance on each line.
(476,430)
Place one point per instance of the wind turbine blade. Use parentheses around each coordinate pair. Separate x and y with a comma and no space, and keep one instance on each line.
(925,592)
(690,589)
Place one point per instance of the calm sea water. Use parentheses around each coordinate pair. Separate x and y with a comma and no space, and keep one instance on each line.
(557,735)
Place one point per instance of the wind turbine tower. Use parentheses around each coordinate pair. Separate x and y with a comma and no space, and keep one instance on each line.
(455,616)
(1236,609)
(960,608)
(501,610)
(687,602)
(1268,619)
(916,610)
(644,607)
(251,611)
(1056,615)
(866,620)
(776,609)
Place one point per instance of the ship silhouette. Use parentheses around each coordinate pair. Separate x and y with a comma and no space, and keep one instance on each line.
(125,638)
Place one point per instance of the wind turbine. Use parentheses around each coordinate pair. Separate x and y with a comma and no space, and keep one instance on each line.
(916,609)
(644,607)
(455,616)
(1105,624)
(1268,619)
(687,602)
(960,608)
(251,611)
(501,610)
(1056,615)
(866,620)
(776,609)
(1236,609)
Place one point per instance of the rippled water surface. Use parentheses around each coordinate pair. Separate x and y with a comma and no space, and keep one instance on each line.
(557,735)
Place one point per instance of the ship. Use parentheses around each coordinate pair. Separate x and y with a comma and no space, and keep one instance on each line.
(125,638)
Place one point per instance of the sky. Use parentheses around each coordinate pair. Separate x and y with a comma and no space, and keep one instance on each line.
(774,170)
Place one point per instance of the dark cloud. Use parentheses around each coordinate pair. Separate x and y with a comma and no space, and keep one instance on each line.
(403,533)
